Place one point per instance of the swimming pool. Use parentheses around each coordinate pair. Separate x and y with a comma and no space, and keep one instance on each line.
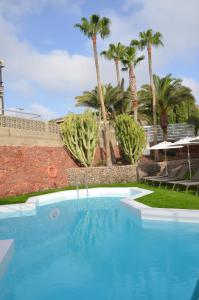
(96,248)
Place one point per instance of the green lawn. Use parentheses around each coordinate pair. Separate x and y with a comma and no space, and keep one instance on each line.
(160,198)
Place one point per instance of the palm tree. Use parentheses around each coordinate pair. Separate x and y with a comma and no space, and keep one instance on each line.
(116,100)
(115,52)
(129,62)
(93,27)
(148,39)
(169,93)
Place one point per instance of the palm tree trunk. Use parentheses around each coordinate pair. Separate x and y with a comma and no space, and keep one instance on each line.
(165,135)
(117,72)
(155,133)
(132,82)
(103,109)
(164,124)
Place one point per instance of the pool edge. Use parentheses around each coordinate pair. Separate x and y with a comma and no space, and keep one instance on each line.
(162,214)
(30,206)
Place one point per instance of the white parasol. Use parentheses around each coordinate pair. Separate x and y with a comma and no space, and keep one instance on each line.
(187,141)
(165,146)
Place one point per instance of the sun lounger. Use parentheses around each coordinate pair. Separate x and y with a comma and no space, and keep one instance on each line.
(171,174)
(163,173)
(177,173)
(188,183)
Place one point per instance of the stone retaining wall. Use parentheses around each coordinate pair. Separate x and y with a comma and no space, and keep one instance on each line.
(101,175)
(121,174)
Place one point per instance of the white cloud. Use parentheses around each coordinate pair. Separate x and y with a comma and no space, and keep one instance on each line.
(56,71)
(22,87)
(43,111)
(177,20)
(22,7)
(60,72)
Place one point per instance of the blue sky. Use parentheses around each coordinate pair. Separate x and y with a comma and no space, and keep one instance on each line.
(48,62)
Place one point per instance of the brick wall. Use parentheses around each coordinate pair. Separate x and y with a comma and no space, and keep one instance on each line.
(25,169)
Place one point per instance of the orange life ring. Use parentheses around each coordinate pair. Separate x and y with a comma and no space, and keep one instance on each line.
(52,171)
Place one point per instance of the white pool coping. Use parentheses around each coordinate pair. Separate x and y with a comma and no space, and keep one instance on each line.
(126,193)
(162,214)
(6,252)
(29,208)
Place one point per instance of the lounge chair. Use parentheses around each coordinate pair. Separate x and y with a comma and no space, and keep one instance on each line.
(177,173)
(188,183)
(163,173)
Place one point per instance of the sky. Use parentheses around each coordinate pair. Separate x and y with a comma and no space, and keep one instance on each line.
(48,62)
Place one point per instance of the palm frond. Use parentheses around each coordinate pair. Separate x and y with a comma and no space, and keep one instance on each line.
(157,39)
(149,37)
(104,29)
(138,60)
(94,26)
(116,99)
(169,93)
(114,52)
(136,43)
(94,19)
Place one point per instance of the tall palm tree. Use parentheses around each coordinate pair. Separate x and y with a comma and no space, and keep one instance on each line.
(130,61)
(148,39)
(116,100)
(93,27)
(169,93)
(115,52)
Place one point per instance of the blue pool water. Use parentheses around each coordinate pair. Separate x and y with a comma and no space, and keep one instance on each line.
(97,249)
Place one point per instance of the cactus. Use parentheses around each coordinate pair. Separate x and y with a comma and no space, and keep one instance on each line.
(80,136)
(131,137)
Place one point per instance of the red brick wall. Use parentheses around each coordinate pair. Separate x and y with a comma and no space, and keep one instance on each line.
(25,169)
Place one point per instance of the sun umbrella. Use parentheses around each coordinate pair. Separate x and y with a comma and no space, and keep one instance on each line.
(194,140)
(187,141)
(159,146)
(165,146)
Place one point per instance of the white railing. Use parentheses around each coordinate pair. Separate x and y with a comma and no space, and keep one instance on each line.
(175,131)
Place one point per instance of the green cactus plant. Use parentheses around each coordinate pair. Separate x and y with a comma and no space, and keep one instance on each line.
(80,136)
(131,137)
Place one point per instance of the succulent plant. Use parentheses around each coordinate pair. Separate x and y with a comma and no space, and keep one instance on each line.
(131,137)
(80,136)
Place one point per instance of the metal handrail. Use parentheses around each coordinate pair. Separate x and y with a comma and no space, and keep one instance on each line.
(86,183)
(77,188)
(21,112)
